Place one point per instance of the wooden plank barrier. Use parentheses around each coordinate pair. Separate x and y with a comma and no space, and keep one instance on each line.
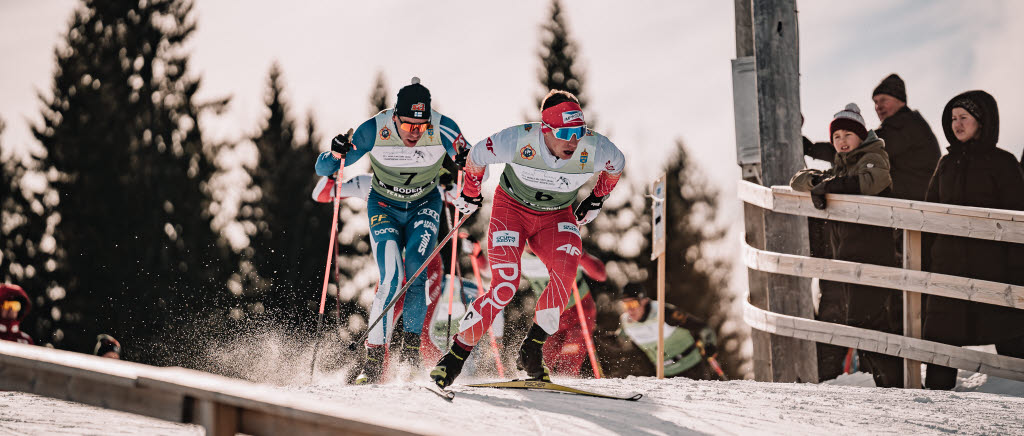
(913,217)
(222,405)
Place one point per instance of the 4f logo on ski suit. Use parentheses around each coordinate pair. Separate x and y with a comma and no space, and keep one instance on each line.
(569,249)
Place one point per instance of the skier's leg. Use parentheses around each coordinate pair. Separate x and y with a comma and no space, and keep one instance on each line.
(505,241)
(384,240)
(557,243)
(420,238)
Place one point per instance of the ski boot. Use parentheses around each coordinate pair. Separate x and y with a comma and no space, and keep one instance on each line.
(531,355)
(373,367)
(450,366)
(410,354)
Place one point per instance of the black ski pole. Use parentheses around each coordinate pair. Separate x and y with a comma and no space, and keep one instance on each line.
(401,292)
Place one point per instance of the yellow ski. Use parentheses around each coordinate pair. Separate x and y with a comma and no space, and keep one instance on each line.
(552,387)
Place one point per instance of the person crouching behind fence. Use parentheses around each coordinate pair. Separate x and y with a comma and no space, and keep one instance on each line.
(861,167)
(979,174)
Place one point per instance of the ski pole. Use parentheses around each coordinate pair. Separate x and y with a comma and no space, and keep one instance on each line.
(480,293)
(712,362)
(586,331)
(451,276)
(330,254)
(401,292)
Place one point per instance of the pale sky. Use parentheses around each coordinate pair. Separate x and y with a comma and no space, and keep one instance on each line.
(655,71)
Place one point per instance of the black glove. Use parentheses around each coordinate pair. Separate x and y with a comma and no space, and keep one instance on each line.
(833,185)
(710,350)
(342,144)
(588,208)
(446,180)
(817,178)
(461,157)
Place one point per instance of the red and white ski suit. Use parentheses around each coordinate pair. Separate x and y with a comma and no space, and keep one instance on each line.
(553,235)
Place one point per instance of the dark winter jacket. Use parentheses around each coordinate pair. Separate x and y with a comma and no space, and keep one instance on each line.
(10,330)
(975,173)
(912,148)
(913,151)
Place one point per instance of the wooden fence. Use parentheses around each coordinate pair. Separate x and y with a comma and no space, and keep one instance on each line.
(223,406)
(913,217)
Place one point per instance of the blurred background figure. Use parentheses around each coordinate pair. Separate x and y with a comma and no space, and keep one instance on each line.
(685,335)
(107,346)
(14,306)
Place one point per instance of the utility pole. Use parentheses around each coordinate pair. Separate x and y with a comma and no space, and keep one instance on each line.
(775,45)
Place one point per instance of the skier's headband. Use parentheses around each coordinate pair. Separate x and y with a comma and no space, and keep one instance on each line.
(564,114)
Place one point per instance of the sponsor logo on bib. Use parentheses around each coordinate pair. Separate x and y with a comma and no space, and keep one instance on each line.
(583,158)
(527,127)
(505,238)
(385,133)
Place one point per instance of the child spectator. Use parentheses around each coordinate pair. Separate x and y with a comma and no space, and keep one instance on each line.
(861,166)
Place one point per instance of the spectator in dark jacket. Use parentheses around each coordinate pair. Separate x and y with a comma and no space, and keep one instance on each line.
(14,307)
(974,173)
(861,167)
(909,141)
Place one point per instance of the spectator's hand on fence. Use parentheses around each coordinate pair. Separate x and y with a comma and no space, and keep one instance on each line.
(818,194)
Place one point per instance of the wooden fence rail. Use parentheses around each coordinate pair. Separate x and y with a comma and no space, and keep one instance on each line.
(913,217)
(223,406)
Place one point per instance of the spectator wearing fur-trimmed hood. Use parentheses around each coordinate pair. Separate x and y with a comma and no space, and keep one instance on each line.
(975,173)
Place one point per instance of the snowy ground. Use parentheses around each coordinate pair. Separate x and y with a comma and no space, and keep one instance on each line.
(980,405)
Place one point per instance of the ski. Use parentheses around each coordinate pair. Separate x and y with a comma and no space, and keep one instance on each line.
(551,387)
(447,395)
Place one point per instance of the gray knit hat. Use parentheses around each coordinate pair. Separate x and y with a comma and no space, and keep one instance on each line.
(849,119)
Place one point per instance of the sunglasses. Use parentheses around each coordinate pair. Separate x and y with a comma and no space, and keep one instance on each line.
(631,303)
(14,305)
(412,128)
(567,133)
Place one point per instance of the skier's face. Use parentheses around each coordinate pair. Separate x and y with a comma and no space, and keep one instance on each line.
(410,129)
(562,149)
(634,308)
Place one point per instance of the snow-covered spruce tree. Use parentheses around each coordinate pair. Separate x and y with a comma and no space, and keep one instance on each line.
(558,59)
(136,253)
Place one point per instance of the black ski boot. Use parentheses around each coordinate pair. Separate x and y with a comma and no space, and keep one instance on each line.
(450,366)
(373,367)
(410,354)
(531,355)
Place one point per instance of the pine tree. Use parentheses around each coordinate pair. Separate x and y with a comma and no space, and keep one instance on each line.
(137,256)
(558,59)
(379,97)
(696,282)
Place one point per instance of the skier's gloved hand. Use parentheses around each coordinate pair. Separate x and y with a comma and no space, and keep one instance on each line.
(588,209)
(342,144)
(467,204)
(445,180)
(461,157)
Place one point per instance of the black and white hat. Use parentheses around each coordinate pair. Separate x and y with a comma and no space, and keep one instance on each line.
(413,101)
(849,119)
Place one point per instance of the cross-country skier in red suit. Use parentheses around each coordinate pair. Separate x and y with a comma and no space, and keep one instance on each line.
(547,162)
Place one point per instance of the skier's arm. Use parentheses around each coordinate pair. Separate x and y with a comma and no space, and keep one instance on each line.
(497,148)
(677,318)
(451,137)
(358,186)
(609,162)
(362,141)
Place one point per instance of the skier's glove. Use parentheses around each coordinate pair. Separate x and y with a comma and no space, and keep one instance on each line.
(342,144)
(467,204)
(588,209)
(461,157)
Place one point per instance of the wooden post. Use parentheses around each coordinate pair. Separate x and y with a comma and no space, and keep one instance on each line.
(776,48)
(753,216)
(912,306)
(658,234)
